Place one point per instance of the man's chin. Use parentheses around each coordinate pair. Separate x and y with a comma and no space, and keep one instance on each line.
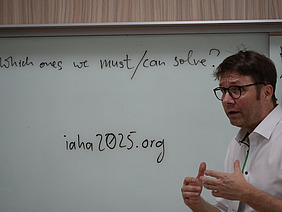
(235,123)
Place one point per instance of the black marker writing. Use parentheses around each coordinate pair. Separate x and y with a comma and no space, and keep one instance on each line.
(53,64)
(86,145)
(139,64)
(113,141)
(189,60)
(217,53)
(80,64)
(125,63)
(281,52)
(145,62)
(9,62)
(281,58)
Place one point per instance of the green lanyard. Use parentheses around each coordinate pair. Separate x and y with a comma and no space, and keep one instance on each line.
(246,159)
(242,142)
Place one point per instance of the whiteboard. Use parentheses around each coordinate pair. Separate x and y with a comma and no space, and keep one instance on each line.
(276,56)
(111,123)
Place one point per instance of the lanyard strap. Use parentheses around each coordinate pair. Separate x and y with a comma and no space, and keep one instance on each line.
(243,142)
(246,159)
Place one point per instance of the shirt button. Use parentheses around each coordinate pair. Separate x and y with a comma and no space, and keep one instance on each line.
(246,172)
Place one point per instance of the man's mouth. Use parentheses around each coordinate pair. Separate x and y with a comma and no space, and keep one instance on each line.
(232,113)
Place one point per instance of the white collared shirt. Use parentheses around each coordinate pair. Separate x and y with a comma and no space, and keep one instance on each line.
(263,167)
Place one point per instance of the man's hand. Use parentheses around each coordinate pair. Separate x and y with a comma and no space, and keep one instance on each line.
(192,188)
(225,185)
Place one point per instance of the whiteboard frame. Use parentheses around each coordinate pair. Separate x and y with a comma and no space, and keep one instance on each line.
(142,28)
(134,29)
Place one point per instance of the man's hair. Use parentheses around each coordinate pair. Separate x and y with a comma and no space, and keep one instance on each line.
(250,63)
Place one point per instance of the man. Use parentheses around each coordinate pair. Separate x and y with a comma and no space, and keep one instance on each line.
(252,180)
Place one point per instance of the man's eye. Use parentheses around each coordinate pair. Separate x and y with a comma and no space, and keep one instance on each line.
(234,90)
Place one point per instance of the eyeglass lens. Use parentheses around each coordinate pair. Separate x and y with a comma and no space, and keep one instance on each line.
(234,92)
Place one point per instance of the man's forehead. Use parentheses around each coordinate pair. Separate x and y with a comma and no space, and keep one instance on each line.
(233,77)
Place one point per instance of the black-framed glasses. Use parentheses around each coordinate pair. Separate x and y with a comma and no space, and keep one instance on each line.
(234,91)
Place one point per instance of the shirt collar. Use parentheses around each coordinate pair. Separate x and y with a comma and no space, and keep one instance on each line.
(267,125)
(240,135)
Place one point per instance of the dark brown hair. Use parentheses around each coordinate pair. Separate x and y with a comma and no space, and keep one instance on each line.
(250,63)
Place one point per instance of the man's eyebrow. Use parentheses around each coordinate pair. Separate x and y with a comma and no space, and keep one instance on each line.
(237,82)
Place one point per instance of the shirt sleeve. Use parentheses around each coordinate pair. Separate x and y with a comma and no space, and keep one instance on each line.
(221,204)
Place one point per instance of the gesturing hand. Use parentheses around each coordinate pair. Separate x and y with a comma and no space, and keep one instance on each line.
(226,185)
(192,187)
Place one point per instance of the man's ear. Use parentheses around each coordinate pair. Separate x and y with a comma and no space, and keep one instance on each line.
(267,92)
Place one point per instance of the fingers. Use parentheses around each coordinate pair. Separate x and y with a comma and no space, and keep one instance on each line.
(220,184)
(191,190)
(216,174)
(202,169)
(237,167)
(192,187)
(189,180)
(210,186)
(214,185)
(213,173)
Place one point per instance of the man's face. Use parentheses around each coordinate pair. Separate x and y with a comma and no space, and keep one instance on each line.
(247,111)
